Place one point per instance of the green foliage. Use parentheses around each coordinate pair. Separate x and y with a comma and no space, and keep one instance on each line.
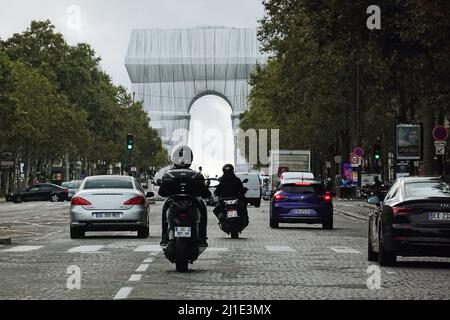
(57,101)
(308,89)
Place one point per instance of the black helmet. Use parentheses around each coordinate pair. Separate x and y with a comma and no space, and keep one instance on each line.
(182,157)
(228,168)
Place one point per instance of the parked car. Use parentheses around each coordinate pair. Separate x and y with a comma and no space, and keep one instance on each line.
(39,192)
(301,202)
(110,203)
(254,192)
(413,219)
(73,187)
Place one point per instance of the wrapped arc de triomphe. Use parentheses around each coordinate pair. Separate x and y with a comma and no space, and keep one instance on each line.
(171,68)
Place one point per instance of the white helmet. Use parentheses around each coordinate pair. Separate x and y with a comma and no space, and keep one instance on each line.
(182,157)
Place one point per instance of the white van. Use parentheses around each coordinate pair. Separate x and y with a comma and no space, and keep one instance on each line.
(253,185)
(296,175)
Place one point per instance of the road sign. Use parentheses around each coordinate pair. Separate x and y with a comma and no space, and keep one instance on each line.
(440,133)
(7,161)
(440,144)
(354,160)
(440,151)
(358,151)
(337,159)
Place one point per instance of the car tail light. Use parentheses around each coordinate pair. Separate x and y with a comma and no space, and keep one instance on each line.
(303,183)
(183,215)
(78,201)
(278,197)
(327,196)
(66,190)
(401,211)
(135,201)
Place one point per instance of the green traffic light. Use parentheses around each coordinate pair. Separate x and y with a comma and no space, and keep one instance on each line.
(377,156)
(130,147)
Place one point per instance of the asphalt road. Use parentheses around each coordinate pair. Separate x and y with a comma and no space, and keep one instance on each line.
(290,263)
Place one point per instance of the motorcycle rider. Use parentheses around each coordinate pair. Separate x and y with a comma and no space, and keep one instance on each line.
(182,160)
(231,186)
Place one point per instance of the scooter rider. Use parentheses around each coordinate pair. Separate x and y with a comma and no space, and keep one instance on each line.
(231,186)
(182,160)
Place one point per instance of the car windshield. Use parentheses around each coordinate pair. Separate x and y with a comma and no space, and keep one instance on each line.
(252,179)
(302,189)
(68,185)
(108,184)
(214,183)
(427,189)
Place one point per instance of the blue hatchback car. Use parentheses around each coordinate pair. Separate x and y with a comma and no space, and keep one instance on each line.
(301,202)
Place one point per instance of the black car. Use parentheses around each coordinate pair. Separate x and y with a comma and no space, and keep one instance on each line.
(39,192)
(413,219)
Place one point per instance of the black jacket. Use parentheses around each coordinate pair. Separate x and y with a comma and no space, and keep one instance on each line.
(229,186)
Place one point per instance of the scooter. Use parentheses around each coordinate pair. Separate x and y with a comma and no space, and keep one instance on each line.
(183,218)
(231,218)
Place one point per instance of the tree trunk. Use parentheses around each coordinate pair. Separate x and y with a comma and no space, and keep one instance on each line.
(428,144)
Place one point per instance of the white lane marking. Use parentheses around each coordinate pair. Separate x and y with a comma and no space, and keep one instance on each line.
(148,260)
(23,248)
(342,249)
(279,249)
(212,249)
(135,277)
(154,253)
(85,249)
(123,293)
(148,248)
(142,268)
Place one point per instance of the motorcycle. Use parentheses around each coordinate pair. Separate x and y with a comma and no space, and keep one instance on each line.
(184,219)
(231,219)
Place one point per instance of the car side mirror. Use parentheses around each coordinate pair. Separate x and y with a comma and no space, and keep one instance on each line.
(208,182)
(149,194)
(245,181)
(374,200)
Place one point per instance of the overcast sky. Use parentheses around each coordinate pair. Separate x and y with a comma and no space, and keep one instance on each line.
(106,24)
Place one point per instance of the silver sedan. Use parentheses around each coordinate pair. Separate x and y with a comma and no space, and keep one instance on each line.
(109,203)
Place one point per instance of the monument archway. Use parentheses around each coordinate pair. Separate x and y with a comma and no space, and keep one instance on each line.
(172,68)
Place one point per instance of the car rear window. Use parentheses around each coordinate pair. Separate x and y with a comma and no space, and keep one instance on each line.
(302,189)
(108,184)
(427,189)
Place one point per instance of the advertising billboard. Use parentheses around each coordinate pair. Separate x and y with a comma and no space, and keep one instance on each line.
(408,142)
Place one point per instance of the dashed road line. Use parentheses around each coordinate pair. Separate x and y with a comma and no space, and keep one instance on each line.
(123,293)
(135,277)
(142,268)
(148,260)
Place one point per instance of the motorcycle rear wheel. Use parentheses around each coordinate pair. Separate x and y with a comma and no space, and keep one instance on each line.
(181,252)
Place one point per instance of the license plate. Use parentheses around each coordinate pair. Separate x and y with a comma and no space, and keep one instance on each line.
(182,232)
(439,216)
(107,215)
(232,214)
(303,211)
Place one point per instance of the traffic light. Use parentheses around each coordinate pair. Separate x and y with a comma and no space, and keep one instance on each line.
(130,142)
(377,151)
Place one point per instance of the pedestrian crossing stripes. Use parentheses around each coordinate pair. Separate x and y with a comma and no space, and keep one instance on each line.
(85,249)
(279,249)
(23,248)
(148,248)
(343,249)
(155,249)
